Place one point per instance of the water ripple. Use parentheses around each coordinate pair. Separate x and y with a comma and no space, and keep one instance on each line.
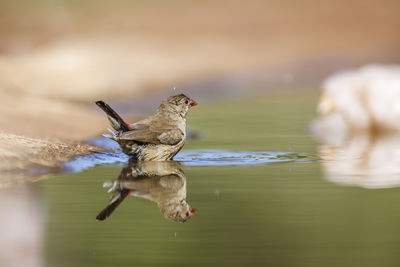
(226,157)
(192,158)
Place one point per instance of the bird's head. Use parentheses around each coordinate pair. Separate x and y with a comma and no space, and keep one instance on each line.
(177,211)
(179,104)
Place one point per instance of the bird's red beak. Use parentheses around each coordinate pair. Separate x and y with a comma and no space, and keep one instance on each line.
(193,103)
(192,212)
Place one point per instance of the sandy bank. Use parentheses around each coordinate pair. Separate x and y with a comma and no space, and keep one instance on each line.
(23,158)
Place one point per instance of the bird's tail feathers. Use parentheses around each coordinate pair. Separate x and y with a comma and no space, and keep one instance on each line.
(116,199)
(116,121)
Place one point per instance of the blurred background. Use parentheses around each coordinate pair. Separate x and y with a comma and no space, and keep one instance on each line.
(58,56)
(265,74)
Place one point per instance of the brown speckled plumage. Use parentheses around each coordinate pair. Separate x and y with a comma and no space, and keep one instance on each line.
(158,137)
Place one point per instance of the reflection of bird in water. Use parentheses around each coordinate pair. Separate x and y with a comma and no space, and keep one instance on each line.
(158,137)
(163,182)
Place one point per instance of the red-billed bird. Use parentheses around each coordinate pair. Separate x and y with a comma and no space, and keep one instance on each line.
(158,137)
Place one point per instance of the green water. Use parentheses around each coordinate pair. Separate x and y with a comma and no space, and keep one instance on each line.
(280,214)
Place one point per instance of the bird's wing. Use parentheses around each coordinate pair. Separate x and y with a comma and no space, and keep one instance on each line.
(147,135)
(171,137)
(139,126)
(141,135)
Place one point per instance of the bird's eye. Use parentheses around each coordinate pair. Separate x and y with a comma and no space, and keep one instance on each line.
(186,102)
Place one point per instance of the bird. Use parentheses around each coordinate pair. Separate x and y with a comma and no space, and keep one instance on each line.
(162,182)
(359,101)
(156,138)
